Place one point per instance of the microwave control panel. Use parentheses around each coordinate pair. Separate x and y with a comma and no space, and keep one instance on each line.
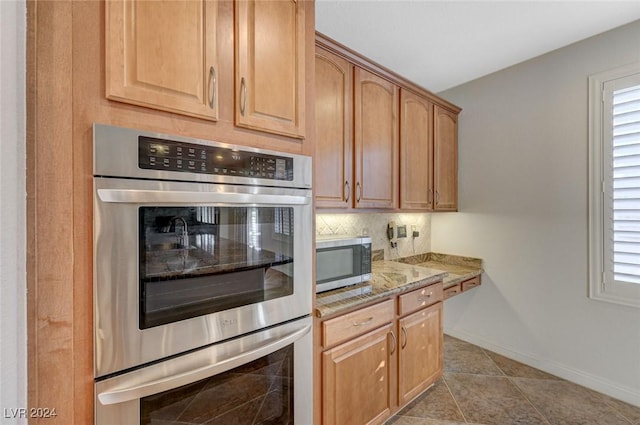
(170,155)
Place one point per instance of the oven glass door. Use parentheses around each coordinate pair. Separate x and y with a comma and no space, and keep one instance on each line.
(260,392)
(259,379)
(196,260)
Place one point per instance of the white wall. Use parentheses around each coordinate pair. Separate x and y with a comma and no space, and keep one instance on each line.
(523,201)
(13,339)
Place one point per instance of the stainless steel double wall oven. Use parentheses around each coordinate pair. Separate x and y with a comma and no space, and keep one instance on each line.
(202,281)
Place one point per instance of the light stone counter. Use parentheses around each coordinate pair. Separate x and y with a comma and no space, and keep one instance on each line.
(389,278)
(458,268)
(395,277)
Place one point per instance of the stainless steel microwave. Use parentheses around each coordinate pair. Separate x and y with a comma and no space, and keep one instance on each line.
(342,261)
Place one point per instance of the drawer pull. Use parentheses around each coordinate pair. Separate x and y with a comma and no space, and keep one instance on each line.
(422,299)
(366,322)
(404,333)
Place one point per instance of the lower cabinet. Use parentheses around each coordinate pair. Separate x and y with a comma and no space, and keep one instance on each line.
(356,380)
(376,359)
(420,354)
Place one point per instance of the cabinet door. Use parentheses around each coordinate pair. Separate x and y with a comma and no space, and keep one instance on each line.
(420,353)
(334,143)
(376,141)
(445,139)
(270,72)
(163,55)
(355,380)
(416,152)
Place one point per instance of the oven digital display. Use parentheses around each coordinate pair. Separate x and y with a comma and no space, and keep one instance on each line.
(169,155)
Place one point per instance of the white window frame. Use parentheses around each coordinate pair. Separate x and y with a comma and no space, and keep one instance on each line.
(602,286)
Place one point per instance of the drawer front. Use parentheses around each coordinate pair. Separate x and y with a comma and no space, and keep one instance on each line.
(356,323)
(420,298)
(471,283)
(452,290)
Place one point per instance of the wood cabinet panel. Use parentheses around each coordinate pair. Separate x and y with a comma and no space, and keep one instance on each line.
(416,152)
(420,352)
(376,141)
(269,68)
(153,62)
(445,139)
(355,378)
(470,283)
(334,141)
(347,326)
(419,298)
(452,291)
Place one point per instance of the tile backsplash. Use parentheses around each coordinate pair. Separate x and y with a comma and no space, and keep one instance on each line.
(375,225)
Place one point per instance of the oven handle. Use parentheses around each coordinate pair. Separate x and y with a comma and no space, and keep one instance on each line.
(134,196)
(123,394)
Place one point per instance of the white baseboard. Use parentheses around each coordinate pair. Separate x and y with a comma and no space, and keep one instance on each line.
(596,383)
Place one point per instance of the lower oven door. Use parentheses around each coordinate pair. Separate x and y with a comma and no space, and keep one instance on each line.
(182,265)
(262,378)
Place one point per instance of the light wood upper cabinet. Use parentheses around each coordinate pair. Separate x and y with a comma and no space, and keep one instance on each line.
(355,377)
(416,152)
(269,66)
(376,141)
(445,140)
(429,155)
(420,353)
(142,35)
(334,141)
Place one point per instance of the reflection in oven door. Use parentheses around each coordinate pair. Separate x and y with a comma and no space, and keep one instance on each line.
(214,259)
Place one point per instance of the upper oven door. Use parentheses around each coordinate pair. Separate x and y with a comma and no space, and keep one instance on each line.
(181,265)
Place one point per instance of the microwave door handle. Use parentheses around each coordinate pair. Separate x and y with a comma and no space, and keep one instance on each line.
(139,390)
(134,196)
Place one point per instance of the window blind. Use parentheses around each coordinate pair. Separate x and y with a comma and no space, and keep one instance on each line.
(626,185)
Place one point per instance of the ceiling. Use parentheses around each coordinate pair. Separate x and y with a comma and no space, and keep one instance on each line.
(442,44)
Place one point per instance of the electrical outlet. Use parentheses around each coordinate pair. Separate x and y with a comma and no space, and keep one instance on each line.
(402,231)
(414,231)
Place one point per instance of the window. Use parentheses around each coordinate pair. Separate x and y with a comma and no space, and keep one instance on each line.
(614,179)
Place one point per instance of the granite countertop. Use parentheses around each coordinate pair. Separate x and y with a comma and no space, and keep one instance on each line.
(458,268)
(394,277)
(388,278)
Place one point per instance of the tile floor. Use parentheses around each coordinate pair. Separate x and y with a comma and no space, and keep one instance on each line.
(483,388)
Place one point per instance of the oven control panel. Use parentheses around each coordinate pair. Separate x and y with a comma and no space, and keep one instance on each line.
(170,155)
